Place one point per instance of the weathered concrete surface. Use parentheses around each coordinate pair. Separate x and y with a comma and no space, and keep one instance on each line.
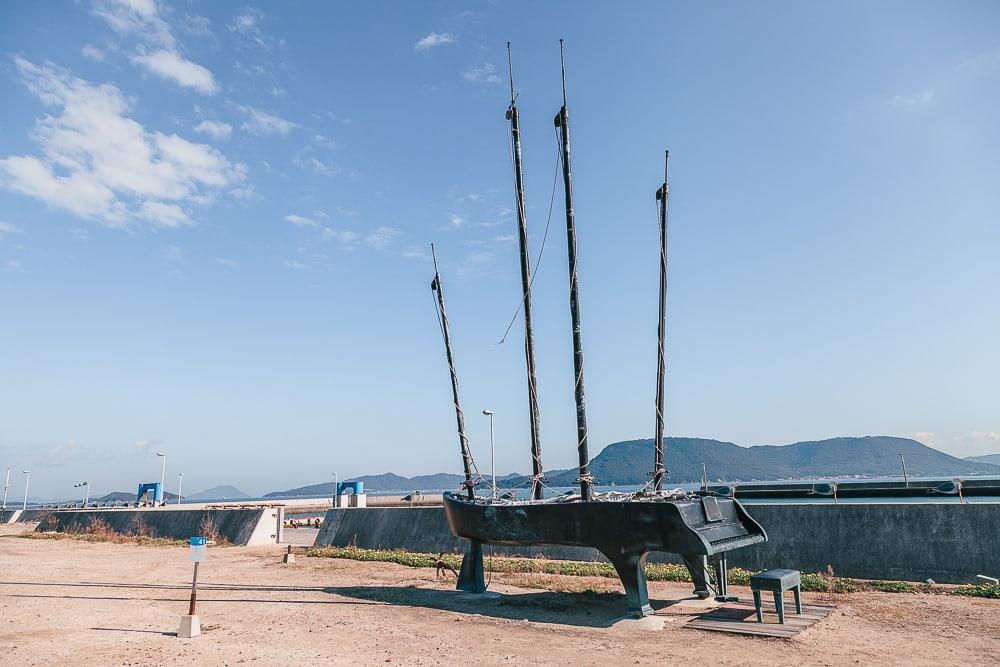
(25,516)
(947,542)
(235,526)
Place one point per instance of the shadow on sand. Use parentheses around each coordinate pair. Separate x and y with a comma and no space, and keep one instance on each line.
(588,609)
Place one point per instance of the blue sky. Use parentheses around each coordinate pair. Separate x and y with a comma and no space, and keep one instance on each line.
(215,217)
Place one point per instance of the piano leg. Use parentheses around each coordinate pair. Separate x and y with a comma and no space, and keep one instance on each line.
(470,576)
(697,567)
(631,569)
(722,579)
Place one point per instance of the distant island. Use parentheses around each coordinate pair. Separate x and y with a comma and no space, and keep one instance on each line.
(126,497)
(441,481)
(629,462)
(219,493)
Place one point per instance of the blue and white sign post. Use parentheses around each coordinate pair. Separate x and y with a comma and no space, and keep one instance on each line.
(190,624)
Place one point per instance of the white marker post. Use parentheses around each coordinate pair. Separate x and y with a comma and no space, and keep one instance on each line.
(191,624)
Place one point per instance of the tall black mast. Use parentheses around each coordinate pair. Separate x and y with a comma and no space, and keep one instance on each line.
(662,196)
(529,335)
(463,440)
(562,122)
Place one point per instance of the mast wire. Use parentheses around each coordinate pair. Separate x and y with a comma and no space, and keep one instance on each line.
(545,235)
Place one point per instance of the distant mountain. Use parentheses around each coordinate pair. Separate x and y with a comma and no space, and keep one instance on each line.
(872,456)
(993,459)
(218,493)
(125,497)
(441,481)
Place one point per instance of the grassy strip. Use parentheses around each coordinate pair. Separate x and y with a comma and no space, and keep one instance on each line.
(654,572)
(979,591)
(143,540)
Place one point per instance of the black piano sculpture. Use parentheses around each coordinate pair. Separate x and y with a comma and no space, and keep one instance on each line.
(624,527)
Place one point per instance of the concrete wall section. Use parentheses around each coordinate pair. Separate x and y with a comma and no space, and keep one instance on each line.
(235,526)
(947,542)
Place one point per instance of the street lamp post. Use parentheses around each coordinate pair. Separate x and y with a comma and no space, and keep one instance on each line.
(336,490)
(6,485)
(86,498)
(27,479)
(163,476)
(493,460)
(180,485)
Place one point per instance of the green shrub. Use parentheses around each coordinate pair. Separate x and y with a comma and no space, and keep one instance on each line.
(979,591)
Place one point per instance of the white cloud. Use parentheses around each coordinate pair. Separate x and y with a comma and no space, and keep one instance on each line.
(344,237)
(97,163)
(318,166)
(147,445)
(172,66)
(263,123)
(158,49)
(197,25)
(247,25)
(456,220)
(433,39)
(485,73)
(7,228)
(296,265)
(300,220)
(228,263)
(173,253)
(140,18)
(215,129)
(91,52)
(381,237)
(926,437)
(12,264)
(916,100)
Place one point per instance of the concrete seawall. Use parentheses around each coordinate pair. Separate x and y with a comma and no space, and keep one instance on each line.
(947,542)
(249,526)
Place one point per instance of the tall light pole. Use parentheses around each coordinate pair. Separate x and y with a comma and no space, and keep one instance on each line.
(180,485)
(336,490)
(6,485)
(493,460)
(163,476)
(86,498)
(906,480)
(26,481)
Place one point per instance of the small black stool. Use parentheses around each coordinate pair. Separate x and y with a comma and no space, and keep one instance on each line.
(777,581)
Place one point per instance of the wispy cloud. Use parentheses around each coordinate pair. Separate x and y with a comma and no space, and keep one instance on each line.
(455,220)
(344,237)
(915,100)
(228,263)
(7,228)
(173,253)
(264,123)
(296,265)
(381,237)
(484,73)
(98,163)
(91,52)
(215,129)
(434,39)
(247,25)
(300,220)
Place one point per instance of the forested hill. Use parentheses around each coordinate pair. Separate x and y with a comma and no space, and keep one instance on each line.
(630,462)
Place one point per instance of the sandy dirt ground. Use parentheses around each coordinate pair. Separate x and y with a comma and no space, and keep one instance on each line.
(74,602)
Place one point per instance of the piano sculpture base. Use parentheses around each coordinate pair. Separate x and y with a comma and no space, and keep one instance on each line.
(625,530)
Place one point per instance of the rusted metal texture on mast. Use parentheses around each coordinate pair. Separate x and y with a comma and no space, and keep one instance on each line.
(562,122)
(463,440)
(662,196)
(529,335)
